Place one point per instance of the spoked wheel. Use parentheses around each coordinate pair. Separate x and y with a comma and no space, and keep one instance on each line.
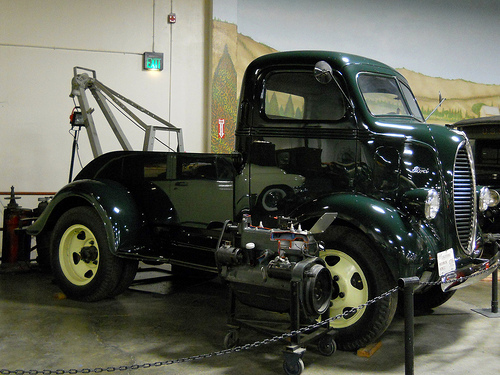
(82,262)
(359,274)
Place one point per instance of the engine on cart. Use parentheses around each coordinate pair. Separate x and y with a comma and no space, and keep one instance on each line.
(263,265)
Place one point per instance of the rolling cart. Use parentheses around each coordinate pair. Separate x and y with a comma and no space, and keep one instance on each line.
(292,332)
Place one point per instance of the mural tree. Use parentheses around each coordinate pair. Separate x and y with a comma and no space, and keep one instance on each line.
(289,110)
(224,105)
(272,107)
(476,108)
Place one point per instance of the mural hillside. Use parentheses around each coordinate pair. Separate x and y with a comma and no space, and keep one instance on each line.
(232,52)
(463,99)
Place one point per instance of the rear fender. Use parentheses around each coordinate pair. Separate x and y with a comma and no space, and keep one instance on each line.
(122,220)
(404,247)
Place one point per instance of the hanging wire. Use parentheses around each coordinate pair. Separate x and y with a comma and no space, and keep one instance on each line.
(75,133)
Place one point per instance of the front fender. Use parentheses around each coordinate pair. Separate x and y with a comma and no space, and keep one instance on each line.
(115,205)
(404,246)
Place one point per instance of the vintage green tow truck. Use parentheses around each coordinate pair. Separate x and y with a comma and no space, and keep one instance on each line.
(400,193)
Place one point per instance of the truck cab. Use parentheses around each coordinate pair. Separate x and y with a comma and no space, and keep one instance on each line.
(404,190)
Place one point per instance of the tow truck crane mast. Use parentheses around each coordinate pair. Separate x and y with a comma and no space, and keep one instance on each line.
(82,81)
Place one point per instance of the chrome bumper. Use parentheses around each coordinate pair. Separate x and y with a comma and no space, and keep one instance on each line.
(477,270)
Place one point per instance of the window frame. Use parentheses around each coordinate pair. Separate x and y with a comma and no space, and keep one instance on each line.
(401,93)
(291,120)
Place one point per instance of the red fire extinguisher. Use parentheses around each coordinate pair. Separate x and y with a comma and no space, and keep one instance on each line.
(16,244)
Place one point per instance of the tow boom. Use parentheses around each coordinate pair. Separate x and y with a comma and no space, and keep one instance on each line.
(82,81)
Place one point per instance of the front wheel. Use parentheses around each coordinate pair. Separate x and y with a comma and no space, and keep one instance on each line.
(431,298)
(359,274)
(81,259)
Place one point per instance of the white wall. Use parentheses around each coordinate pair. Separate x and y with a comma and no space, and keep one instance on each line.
(41,42)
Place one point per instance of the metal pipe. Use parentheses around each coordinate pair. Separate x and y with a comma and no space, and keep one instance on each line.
(408,285)
(294,311)
(494,292)
(29,193)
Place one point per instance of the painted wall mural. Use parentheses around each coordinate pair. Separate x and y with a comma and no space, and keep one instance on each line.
(224,104)
(445,47)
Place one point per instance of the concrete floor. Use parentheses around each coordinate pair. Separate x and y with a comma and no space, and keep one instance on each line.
(40,330)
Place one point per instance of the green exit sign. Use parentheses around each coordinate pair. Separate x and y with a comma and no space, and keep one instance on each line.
(153,61)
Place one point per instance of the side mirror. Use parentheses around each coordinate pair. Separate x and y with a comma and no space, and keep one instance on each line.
(323,72)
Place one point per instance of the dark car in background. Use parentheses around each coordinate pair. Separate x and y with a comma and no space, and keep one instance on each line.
(484,136)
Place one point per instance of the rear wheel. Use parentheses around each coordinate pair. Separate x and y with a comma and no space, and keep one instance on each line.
(359,274)
(81,259)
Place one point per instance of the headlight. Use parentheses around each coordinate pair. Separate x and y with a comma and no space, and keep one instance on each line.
(495,198)
(432,203)
(423,202)
(487,198)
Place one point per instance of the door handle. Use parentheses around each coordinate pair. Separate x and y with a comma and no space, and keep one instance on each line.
(181,184)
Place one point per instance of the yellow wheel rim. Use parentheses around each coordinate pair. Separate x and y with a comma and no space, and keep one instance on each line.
(352,287)
(79,255)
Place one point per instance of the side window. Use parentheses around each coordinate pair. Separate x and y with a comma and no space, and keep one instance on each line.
(299,96)
(196,168)
(284,105)
(155,170)
(225,170)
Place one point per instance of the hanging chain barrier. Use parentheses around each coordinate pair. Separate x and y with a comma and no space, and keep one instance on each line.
(401,287)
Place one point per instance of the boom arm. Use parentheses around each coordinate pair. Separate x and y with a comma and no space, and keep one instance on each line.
(83,81)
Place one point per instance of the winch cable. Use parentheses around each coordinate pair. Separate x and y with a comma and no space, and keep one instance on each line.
(128,117)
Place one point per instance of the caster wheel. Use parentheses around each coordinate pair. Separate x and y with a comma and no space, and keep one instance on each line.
(327,345)
(294,368)
(232,339)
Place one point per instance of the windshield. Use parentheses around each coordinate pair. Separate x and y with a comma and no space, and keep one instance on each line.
(383,96)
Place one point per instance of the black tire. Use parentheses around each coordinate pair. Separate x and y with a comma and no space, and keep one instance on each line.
(43,251)
(359,274)
(82,263)
(128,275)
(232,339)
(294,368)
(431,298)
(327,345)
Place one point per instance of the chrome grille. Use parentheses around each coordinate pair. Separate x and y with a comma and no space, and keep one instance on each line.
(463,199)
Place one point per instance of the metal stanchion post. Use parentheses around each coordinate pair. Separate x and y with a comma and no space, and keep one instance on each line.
(494,292)
(408,285)
(493,311)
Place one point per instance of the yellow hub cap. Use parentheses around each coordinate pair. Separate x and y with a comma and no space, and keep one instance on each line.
(350,284)
(79,255)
